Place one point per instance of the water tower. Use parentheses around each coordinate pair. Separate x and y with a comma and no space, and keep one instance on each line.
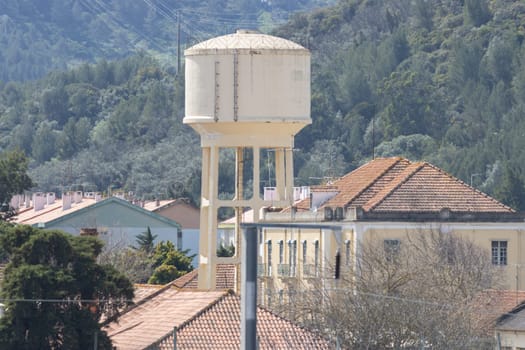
(249,93)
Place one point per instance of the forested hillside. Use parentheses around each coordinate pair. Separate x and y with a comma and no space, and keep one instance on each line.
(440,80)
(39,35)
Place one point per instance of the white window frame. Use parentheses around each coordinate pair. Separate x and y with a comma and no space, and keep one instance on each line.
(499,252)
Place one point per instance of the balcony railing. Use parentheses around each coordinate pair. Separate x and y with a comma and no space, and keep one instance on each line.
(310,271)
(264,270)
(286,270)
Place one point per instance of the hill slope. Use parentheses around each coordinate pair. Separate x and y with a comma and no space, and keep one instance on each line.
(442,81)
(39,36)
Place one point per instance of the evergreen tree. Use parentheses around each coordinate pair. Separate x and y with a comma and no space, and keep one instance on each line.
(146,241)
(477,12)
(54,291)
(169,263)
(511,190)
(226,251)
(13,179)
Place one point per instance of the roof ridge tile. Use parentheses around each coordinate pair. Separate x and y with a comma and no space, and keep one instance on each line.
(393,162)
(400,179)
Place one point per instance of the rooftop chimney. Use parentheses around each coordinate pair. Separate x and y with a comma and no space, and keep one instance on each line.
(77,197)
(50,198)
(39,201)
(66,201)
(98,197)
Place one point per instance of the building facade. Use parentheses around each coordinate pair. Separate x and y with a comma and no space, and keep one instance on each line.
(386,200)
(114,220)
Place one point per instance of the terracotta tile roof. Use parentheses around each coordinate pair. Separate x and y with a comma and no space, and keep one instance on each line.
(156,315)
(142,291)
(303,205)
(492,304)
(396,185)
(218,327)
(225,278)
(50,212)
(187,281)
(514,320)
(424,187)
(383,181)
(355,183)
(154,205)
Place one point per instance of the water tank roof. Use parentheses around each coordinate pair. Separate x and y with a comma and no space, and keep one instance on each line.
(244,40)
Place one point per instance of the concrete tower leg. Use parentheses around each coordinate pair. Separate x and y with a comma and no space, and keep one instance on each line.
(208,219)
(280,175)
(289,180)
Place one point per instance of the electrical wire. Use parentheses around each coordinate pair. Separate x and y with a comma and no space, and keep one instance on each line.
(198,24)
(122,24)
(294,293)
(101,11)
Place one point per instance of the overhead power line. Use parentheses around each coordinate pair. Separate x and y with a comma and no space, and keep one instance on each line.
(105,14)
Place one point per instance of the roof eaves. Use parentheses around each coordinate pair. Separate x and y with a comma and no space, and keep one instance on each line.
(264,309)
(503,318)
(118,201)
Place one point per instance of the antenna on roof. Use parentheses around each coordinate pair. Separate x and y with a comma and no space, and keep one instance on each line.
(373,139)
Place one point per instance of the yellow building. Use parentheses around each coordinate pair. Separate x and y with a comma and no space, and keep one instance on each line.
(385,199)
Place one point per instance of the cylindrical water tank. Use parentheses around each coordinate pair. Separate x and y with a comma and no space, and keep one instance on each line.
(247,77)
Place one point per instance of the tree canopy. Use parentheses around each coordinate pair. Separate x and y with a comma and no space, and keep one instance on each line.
(13,178)
(54,291)
(438,81)
(420,291)
(169,263)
